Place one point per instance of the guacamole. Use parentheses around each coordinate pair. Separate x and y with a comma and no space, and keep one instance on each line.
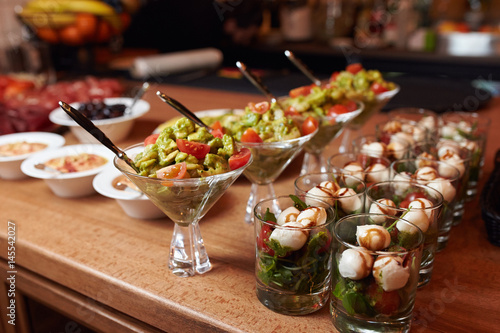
(183,142)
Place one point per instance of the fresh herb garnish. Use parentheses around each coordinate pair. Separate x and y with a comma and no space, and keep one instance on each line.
(268,216)
(298,203)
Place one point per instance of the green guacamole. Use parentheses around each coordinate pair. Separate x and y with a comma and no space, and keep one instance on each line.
(165,151)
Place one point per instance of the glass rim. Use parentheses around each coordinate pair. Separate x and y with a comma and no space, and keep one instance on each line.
(186,181)
(425,187)
(371,252)
(409,160)
(275,225)
(333,172)
(277,144)
(355,142)
(330,164)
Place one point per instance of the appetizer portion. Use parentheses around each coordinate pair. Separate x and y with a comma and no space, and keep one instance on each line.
(21,148)
(76,163)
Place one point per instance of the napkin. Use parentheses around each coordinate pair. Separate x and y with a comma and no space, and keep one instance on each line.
(176,62)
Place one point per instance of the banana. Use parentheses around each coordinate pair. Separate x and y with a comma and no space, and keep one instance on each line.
(47,20)
(87,6)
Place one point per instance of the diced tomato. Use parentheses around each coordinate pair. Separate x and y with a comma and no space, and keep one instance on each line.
(176,171)
(336,110)
(197,149)
(263,239)
(151,139)
(250,136)
(217,133)
(350,105)
(300,91)
(260,108)
(217,125)
(354,68)
(385,302)
(291,111)
(334,76)
(239,159)
(309,125)
(378,88)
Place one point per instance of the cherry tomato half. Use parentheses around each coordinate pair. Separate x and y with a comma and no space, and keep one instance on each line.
(378,88)
(334,76)
(385,302)
(197,149)
(350,105)
(151,139)
(260,108)
(250,136)
(309,125)
(354,68)
(239,159)
(263,239)
(300,91)
(176,171)
(336,110)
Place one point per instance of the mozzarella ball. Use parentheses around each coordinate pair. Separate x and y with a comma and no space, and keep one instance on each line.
(390,273)
(396,150)
(384,207)
(448,131)
(469,145)
(321,193)
(348,199)
(312,216)
(405,137)
(417,217)
(446,148)
(393,126)
(425,160)
(330,185)
(376,149)
(354,169)
(453,162)
(377,173)
(445,187)
(288,215)
(355,264)
(425,174)
(422,203)
(401,182)
(428,122)
(416,132)
(294,237)
(373,237)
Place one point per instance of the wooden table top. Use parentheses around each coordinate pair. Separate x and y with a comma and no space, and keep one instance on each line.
(90,246)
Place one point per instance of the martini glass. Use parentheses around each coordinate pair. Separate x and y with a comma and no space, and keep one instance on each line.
(329,129)
(269,161)
(184,201)
(371,107)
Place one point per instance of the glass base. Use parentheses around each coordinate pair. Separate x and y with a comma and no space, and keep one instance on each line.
(424,275)
(344,322)
(188,255)
(471,191)
(442,242)
(427,265)
(289,303)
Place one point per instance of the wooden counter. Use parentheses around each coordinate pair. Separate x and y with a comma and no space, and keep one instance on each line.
(87,259)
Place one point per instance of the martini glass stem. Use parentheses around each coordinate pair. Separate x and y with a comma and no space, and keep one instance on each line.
(347,137)
(202,262)
(313,163)
(258,192)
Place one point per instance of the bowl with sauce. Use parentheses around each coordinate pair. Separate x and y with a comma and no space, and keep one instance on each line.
(69,171)
(111,183)
(111,115)
(17,147)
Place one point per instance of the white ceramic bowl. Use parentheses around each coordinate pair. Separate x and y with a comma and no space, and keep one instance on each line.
(10,166)
(116,129)
(134,204)
(72,184)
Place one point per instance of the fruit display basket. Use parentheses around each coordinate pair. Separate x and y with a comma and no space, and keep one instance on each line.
(74,22)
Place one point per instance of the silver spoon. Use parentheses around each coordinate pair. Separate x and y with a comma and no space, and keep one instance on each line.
(45,167)
(137,97)
(183,110)
(302,67)
(257,83)
(87,124)
(125,187)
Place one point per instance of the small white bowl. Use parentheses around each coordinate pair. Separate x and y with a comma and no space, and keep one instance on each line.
(134,204)
(71,184)
(10,166)
(116,129)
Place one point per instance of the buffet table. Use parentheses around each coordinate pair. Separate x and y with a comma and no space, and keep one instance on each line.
(89,261)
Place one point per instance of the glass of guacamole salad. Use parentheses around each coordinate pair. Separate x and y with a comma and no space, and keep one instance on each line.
(184,170)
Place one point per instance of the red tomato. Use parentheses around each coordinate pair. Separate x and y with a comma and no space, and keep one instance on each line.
(309,125)
(404,204)
(350,105)
(197,149)
(239,159)
(378,88)
(415,195)
(334,75)
(291,111)
(151,139)
(176,171)
(336,110)
(386,302)
(260,108)
(263,238)
(250,136)
(354,68)
(300,91)
(217,125)
(217,133)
